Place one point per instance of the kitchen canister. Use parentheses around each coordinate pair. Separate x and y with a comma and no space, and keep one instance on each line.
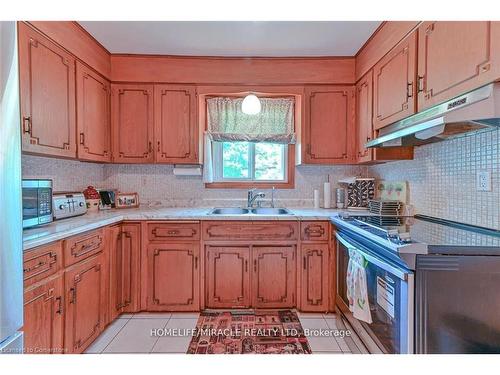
(340,197)
(327,195)
(316,198)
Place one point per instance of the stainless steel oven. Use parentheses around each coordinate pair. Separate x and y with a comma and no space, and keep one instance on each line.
(390,295)
(37,202)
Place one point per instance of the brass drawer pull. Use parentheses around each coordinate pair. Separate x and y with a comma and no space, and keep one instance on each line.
(59,306)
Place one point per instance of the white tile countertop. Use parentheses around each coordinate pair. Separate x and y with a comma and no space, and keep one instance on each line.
(69,227)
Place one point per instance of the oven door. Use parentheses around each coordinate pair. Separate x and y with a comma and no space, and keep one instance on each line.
(390,295)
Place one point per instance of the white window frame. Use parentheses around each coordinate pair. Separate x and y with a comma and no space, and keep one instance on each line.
(218,165)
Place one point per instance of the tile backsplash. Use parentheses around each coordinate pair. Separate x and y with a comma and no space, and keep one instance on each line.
(157,185)
(442,180)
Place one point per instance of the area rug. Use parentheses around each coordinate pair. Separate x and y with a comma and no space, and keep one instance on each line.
(249,332)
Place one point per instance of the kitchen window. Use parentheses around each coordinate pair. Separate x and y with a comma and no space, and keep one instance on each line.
(244,149)
(250,162)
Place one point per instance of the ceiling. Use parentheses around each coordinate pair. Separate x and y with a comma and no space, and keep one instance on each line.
(226,38)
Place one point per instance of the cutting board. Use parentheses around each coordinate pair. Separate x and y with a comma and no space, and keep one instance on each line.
(392,190)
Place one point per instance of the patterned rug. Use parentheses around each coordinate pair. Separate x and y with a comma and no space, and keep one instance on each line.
(249,332)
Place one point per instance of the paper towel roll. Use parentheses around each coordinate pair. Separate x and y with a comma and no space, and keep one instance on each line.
(316,198)
(327,195)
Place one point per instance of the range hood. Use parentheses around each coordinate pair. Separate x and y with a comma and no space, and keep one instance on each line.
(476,110)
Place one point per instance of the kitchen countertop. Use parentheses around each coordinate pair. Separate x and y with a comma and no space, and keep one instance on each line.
(58,230)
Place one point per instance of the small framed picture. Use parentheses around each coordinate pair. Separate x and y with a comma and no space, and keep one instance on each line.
(127,200)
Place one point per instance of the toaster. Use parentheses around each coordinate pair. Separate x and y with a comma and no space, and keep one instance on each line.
(68,205)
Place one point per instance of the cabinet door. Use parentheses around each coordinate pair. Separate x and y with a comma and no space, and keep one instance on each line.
(125,245)
(93,115)
(86,298)
(314,283)
(228,277)
(47,92)
(329,125)
(364,110)
(132,123)
(394,88)
(174,277)
(273,278)
(43,317)
(456,57)
(176,133)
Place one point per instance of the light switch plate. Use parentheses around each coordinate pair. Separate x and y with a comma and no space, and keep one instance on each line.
(483,181)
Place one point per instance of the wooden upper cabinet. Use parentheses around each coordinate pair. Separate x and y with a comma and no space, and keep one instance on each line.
(364,111)
(47,92)
(364,127)
(456,57)
(329,125)
(273,278)
(227,276)
(43,317)
(93,115)
(394,87)
(173,277)
(132,123)
(176,131)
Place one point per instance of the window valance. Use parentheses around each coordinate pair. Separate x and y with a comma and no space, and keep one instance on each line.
(274,123)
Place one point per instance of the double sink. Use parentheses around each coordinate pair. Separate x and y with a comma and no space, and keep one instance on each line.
(250,211)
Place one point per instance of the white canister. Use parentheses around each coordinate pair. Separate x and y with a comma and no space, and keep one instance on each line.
(340,197)
(316,198)
(327,195)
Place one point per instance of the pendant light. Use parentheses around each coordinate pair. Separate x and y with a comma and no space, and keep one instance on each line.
(251,105)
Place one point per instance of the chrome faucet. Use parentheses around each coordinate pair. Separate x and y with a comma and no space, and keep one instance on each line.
(252,196)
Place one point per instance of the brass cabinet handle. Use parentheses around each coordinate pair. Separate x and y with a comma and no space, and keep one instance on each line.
(195,263)
(420,86)
(27,124)
(82,138)
(246,265)
(59,307)
(72,294)
(150,147)
(305,262)
(255,265)
(409,89)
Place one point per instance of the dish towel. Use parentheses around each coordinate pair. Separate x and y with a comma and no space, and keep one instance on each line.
(357,290)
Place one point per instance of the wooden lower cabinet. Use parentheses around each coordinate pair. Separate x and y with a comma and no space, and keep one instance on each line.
(227,276)
(314,277)
(124,246)
(86,302)
(173,277)
(273,278)
(43,317)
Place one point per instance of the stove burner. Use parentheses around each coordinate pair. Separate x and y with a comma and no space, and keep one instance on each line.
(392,228)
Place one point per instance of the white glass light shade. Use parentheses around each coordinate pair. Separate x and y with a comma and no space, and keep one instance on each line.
(251,105)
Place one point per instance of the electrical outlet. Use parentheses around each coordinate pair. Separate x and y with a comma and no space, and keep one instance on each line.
(483,181)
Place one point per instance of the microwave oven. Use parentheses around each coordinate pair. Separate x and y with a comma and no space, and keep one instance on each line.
(37,202)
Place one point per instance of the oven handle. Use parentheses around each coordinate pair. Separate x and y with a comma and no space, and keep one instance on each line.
(398,272)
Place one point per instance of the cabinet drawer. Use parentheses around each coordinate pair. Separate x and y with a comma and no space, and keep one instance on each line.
(256,231)
(41,262)
(314,231)
(179,231)
(83,246)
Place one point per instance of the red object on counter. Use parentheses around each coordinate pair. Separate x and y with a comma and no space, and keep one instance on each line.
(91,193)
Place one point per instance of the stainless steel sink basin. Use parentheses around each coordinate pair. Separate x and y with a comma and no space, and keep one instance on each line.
(246,211)
(229,211)
(270,211)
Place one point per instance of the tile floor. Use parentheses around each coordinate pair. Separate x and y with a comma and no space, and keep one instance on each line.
(131,333)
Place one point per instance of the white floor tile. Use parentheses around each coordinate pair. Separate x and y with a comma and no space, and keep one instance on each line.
(323,344)
(313,323)
(182,323)
(126,315)
(332,322)
(136,336)
(172,345)
(107,336)
(309,315)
